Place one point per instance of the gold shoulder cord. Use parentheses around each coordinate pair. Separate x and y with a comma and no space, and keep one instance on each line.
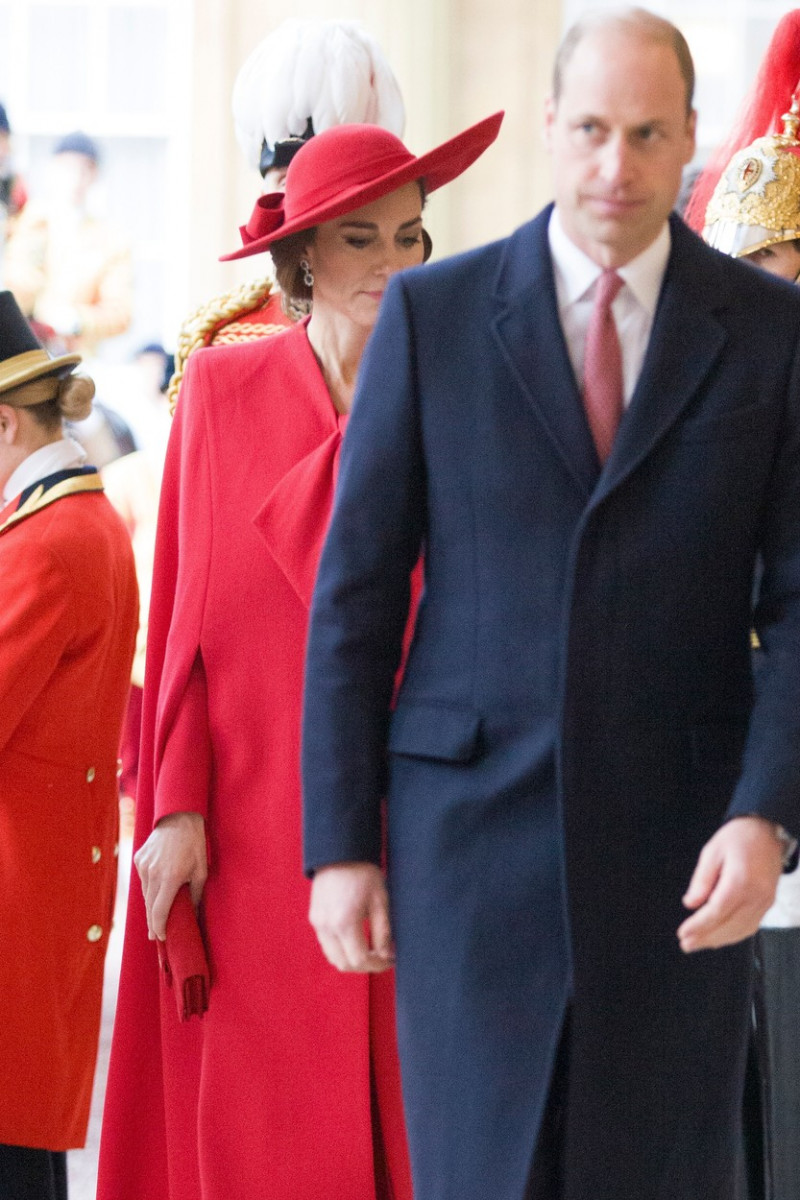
(219,312)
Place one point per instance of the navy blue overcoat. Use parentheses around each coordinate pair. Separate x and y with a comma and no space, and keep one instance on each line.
(577,715)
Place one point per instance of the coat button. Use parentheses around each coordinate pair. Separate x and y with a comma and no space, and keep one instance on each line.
(97,854)
(90,775)
(94,933)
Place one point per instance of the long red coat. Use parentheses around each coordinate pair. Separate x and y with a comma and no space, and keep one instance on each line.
(269,1095)
(68,617)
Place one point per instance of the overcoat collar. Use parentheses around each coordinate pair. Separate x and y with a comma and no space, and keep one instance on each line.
(684,343)
(530,338)
(47,491)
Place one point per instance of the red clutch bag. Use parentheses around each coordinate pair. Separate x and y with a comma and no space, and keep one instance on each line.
(182,958)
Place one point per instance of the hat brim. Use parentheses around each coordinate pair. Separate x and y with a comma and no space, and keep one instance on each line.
(436,168)
(23,368)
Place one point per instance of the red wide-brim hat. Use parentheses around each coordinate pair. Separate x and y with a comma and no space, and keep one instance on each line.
(346,167)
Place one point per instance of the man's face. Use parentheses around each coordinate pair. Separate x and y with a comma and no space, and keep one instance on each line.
(619,138)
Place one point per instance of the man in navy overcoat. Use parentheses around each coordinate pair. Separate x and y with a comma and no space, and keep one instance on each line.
(577,755)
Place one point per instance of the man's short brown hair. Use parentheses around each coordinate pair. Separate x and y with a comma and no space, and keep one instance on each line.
(634,20)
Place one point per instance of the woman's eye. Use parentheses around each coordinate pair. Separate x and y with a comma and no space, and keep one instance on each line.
(412,240)
(357,243)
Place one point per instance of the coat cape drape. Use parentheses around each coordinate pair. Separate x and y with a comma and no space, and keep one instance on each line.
(271,1094)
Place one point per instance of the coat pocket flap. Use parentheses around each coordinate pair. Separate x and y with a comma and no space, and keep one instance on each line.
(435,731)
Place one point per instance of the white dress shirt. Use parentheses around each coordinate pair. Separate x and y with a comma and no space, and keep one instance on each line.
(634,307)
(785,912)
(55,456)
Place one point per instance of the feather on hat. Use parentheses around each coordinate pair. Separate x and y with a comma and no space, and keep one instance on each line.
(326,72)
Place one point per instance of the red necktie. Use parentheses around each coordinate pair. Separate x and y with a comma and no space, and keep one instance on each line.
(602,367)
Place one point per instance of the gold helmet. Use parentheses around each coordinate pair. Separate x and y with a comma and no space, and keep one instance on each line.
(757,200)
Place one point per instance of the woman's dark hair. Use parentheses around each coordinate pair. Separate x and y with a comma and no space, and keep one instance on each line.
(286,255)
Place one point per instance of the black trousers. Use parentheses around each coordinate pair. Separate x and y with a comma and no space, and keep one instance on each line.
(772,1107)
(546,1181)
(27,1174)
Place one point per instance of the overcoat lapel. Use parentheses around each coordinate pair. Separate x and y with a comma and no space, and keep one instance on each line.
(528,333)
(685,342)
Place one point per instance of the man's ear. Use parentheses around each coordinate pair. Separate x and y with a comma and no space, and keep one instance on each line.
(9,424)
(691,132)
(549,120)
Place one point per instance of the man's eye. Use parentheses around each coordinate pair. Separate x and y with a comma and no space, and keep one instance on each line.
(588,132)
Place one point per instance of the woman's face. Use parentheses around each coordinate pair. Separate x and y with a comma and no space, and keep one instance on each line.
(353,257)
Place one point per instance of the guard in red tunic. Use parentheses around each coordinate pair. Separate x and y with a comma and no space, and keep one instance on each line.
(68,617)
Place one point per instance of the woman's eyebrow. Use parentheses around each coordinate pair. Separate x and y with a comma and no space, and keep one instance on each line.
(373,225)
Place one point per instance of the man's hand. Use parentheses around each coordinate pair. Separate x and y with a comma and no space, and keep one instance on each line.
(174,854)
(350,914)
(733,884)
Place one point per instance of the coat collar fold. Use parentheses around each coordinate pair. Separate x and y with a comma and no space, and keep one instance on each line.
(294,518)
(528,333)
(686,340)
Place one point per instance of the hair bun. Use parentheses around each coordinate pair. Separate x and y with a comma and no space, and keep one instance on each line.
(75,395)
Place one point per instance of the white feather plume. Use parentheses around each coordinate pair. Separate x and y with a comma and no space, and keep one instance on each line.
(331,71)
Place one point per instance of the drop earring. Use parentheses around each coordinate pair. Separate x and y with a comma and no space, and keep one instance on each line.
(308,274)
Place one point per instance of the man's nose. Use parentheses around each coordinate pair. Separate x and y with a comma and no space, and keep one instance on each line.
(615,161)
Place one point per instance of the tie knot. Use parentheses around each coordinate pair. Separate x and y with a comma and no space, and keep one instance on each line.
(608,285)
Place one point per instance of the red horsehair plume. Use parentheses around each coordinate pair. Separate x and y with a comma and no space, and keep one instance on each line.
(761,113)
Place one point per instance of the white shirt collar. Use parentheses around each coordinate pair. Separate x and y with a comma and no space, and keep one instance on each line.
(576,273)
(55,456)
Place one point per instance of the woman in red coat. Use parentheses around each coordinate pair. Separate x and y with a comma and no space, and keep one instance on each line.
(289,1087)
(68,618)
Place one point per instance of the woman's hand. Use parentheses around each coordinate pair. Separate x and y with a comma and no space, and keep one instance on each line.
(174,854)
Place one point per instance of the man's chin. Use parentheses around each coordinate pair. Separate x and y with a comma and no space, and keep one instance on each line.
(620,238)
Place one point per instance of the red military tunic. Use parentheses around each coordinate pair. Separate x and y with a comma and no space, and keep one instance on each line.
(270,1094)
(68,617)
